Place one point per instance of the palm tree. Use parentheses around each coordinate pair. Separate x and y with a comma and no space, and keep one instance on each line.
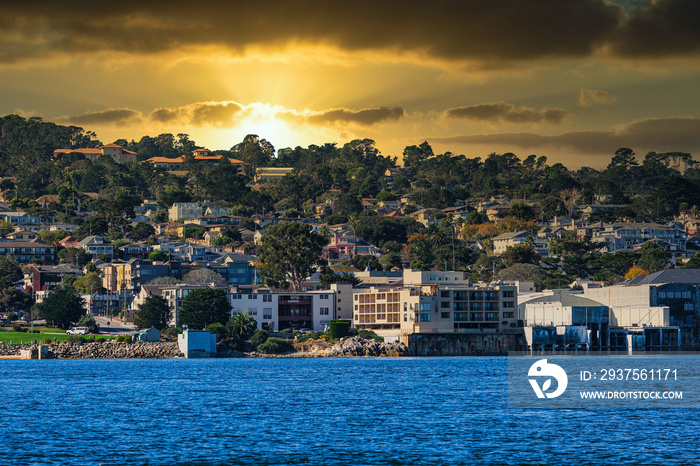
(241,325)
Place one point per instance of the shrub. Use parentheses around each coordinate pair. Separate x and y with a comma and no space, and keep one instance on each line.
(89,322)
(275,346)
(18,328)
(369,335)
(120,339)
(47,341)
(217,328)
(234,343)
(287,330)
(353,332)
(170,332)
(259,337)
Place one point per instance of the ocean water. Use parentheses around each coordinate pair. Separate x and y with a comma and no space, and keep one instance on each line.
(350,411)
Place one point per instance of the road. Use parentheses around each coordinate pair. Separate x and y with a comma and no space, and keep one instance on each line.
(114,327)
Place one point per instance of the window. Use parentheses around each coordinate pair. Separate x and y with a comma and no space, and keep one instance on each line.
(252,311)
(267,298)
(489,316)
(445,315)
(425,317)
(324,296)
(444,294)
(508,304)
(324,311)
(425,306)
(507,315)
(678,294)
(267,313)
(686,294)
(662,294)
(688,306)
(445,304)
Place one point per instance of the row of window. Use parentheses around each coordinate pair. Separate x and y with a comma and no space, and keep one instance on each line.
(674,294)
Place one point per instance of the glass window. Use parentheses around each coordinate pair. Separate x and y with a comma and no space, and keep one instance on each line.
(425,306)
(425,317)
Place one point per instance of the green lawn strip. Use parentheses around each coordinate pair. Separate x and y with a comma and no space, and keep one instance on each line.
(10,338)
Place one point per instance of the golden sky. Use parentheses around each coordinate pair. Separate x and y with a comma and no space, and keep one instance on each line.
(572,80)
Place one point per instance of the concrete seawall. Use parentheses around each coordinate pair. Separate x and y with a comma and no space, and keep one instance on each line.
(100,350)
(464,344)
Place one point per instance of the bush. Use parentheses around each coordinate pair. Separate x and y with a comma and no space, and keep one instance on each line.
(353,332)
(170,332)
(275,346)
(47,341)
(369,335)
(217,328)
(259,337)
(287,330)
(89,322)
(234,343)
(19,328)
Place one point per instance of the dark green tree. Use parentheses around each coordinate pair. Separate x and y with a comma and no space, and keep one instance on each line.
(204,306)
(653,257)
(154,312)
(289,252)
(62,307)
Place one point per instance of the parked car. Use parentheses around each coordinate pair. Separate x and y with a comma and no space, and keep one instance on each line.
(77,331)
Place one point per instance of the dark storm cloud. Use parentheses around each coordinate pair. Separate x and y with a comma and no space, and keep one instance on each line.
(501,111)
(660,28)
(367,117)
(487,31)
(657,134)
(110,115)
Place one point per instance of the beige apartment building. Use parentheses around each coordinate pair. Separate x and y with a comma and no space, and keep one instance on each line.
(436,308)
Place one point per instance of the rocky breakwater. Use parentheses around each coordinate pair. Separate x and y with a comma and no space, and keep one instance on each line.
(116,350)
(357,346)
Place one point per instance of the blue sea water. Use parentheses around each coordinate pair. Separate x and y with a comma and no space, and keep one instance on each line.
(414,411)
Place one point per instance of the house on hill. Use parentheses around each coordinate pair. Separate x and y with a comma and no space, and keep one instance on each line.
(116,152)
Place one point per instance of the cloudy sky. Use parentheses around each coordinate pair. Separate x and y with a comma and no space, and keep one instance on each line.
(573,80)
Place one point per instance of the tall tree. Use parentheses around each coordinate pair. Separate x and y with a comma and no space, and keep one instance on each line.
(154,312)
(289,252)
(203,307)
(63,306)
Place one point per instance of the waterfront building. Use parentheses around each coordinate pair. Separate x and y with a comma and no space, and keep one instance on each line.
(312,310)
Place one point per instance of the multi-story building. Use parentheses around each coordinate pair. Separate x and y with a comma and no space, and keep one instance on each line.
(678,290)
(304,310)
(28,251)
(184,210)
(47,277)
(619,236)
(441,304)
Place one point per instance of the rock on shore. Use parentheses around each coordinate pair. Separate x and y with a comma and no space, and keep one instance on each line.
(355,346)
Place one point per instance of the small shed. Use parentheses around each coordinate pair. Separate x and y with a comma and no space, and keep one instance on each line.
(152,334)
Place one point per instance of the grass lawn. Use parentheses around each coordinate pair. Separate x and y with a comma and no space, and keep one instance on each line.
(21,337)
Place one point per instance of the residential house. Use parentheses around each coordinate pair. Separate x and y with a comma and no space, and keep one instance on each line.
(22,235)
(116,152)
(426,216)
(271,174)
(18,218)
(97,246)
